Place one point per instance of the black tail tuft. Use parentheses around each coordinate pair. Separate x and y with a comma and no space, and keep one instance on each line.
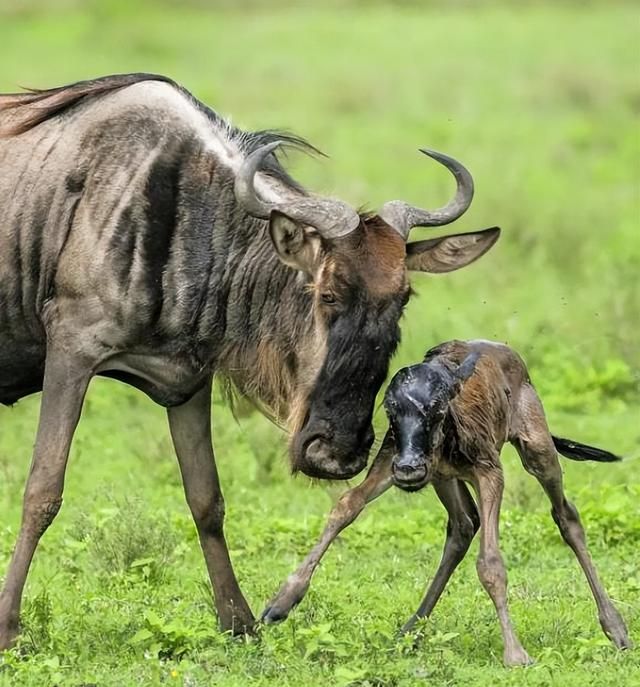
(577,451)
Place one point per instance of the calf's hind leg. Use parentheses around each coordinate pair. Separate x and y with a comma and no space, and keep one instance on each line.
(65,383)
(539,457)
(462,525)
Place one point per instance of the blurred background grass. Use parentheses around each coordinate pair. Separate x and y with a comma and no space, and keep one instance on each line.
(539,99)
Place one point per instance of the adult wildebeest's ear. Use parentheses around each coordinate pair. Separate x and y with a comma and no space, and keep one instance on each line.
(296,246)
(449,253)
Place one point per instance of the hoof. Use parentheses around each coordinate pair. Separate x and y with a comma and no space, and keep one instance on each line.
(620,638)
(613,626)
(8,636)
(279,609)
(244,630)
(274,614)
(409,626)
(517,657)
(289,596)
(239,624)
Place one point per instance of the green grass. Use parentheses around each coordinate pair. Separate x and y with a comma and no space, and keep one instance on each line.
(541,102)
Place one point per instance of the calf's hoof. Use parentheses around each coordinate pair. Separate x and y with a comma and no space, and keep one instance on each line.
(613,626)
(273,614)
(517,657)
(408,626)
(279,609)
(619,637)
(289,596)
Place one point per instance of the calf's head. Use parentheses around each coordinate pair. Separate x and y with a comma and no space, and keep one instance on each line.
(417,402)
(355,269)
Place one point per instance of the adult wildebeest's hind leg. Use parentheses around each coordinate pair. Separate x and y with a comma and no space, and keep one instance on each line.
(349,506)
(65,383)
(462,525)
(489,485)
(539,457)
(190,426)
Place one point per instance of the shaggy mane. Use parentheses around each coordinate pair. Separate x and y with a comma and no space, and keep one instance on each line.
(21,112)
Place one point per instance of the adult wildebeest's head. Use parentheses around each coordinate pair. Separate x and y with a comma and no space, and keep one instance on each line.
(356,268)
(417,402)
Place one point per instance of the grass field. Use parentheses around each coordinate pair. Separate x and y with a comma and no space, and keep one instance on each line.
(542,103)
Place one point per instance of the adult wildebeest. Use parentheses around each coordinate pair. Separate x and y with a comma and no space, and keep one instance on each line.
(143,237)
(449,418)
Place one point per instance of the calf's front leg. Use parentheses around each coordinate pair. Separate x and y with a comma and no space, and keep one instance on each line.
(348,508)
(462,525)
(489,485)
(190,426)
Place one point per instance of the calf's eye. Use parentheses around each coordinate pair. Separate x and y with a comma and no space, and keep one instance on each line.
(328,298)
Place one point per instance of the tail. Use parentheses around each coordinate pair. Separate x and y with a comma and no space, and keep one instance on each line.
(577,451)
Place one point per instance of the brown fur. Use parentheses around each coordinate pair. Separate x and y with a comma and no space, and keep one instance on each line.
(497,403)
(377,255)
(261,374)
(480,416)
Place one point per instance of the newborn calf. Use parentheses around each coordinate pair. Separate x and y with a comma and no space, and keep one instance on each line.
(449,418)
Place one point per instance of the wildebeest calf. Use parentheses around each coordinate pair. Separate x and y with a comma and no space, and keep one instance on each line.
(449,418)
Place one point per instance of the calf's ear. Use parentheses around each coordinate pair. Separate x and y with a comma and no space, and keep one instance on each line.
(449,253)
(465,370)
(297,246)
(467,366)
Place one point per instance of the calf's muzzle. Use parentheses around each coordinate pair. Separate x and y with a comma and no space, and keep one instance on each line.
(410,471)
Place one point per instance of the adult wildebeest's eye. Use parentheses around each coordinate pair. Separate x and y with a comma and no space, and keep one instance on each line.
(328,298)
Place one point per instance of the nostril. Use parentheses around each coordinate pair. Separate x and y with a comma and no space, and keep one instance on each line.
(413,470)
(404,468)
(317,450)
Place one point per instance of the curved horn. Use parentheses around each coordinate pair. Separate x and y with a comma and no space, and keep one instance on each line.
(244,189)
(330,217)
(403,217)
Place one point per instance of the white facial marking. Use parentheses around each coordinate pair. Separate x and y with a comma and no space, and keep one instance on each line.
(414,402)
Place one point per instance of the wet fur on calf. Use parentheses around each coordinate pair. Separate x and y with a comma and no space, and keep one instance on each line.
(470,398)
(459,407)
(449,419)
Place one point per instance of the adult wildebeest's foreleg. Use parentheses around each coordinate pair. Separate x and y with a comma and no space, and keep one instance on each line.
(349,506)
(539,457)
(64,386)
(489,485)
(190,426)
(462,525)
